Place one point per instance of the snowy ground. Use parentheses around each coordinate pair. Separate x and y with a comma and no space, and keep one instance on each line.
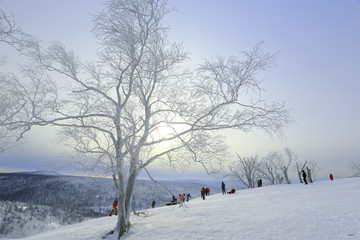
(323,210)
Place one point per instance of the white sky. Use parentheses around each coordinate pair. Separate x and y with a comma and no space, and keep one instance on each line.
(317,69)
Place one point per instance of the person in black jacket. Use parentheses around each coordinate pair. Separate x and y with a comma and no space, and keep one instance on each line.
(223,188)
(173,201)
(304,176)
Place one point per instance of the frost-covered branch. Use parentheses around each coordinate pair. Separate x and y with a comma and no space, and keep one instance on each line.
(356,169)
(137,103)
(245,170)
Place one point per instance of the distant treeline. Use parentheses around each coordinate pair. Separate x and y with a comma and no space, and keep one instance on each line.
(87,192)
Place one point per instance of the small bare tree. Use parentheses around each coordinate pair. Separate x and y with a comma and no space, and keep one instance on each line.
(245,170)
(269,168)
(275,166)
(356,169)
(136,105)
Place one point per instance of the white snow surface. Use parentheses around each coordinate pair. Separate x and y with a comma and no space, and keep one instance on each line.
(322,210)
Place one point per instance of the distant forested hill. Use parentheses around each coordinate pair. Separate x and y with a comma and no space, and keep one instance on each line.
(33,203)
(88,192)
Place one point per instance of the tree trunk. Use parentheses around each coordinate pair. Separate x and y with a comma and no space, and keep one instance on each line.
(122,221)
(286,175)
(129,194)
(309,174)
(125,201)
(300,179)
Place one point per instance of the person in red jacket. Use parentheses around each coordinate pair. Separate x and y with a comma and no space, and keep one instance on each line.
(207,191)
(115,204)
(331,177)
(181,198)
(232,191)
(203,190)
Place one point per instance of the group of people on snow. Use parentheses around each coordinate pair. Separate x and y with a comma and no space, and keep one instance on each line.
(223,189)
(304,175)
(204,192)
(182,198)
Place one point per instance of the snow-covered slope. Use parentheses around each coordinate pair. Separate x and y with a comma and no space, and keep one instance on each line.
(323,210)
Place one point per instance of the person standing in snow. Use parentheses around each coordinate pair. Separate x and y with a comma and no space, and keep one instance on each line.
(331,177)
(188,196)
(181,198)
(207,191)
(203,190)
(153,204)
(304,176)
(223,188)
(259,182)
(115,204)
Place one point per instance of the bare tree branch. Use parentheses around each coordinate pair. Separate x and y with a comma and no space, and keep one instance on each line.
(356,169)
(136,105)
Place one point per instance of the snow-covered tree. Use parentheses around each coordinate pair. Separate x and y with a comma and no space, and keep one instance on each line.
(356,169)
(12,97)
(289,157)
(137,104)
(309,174)
(314,169)
(274,166)
(245,170)
(311,168)
(269,168)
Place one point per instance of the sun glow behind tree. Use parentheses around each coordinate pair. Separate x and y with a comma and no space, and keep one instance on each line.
(136,105)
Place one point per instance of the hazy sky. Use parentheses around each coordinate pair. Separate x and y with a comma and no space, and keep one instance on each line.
(317,71)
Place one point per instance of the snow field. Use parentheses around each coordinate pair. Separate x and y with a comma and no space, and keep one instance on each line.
(322,210)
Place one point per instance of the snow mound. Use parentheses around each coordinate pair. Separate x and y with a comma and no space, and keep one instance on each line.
(323,210)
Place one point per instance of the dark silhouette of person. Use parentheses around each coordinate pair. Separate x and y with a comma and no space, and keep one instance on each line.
(223,188)
(304,176)
(173,201)
(153,204)
(259,182)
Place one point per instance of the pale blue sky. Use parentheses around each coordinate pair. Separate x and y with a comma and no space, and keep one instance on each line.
(317,69)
